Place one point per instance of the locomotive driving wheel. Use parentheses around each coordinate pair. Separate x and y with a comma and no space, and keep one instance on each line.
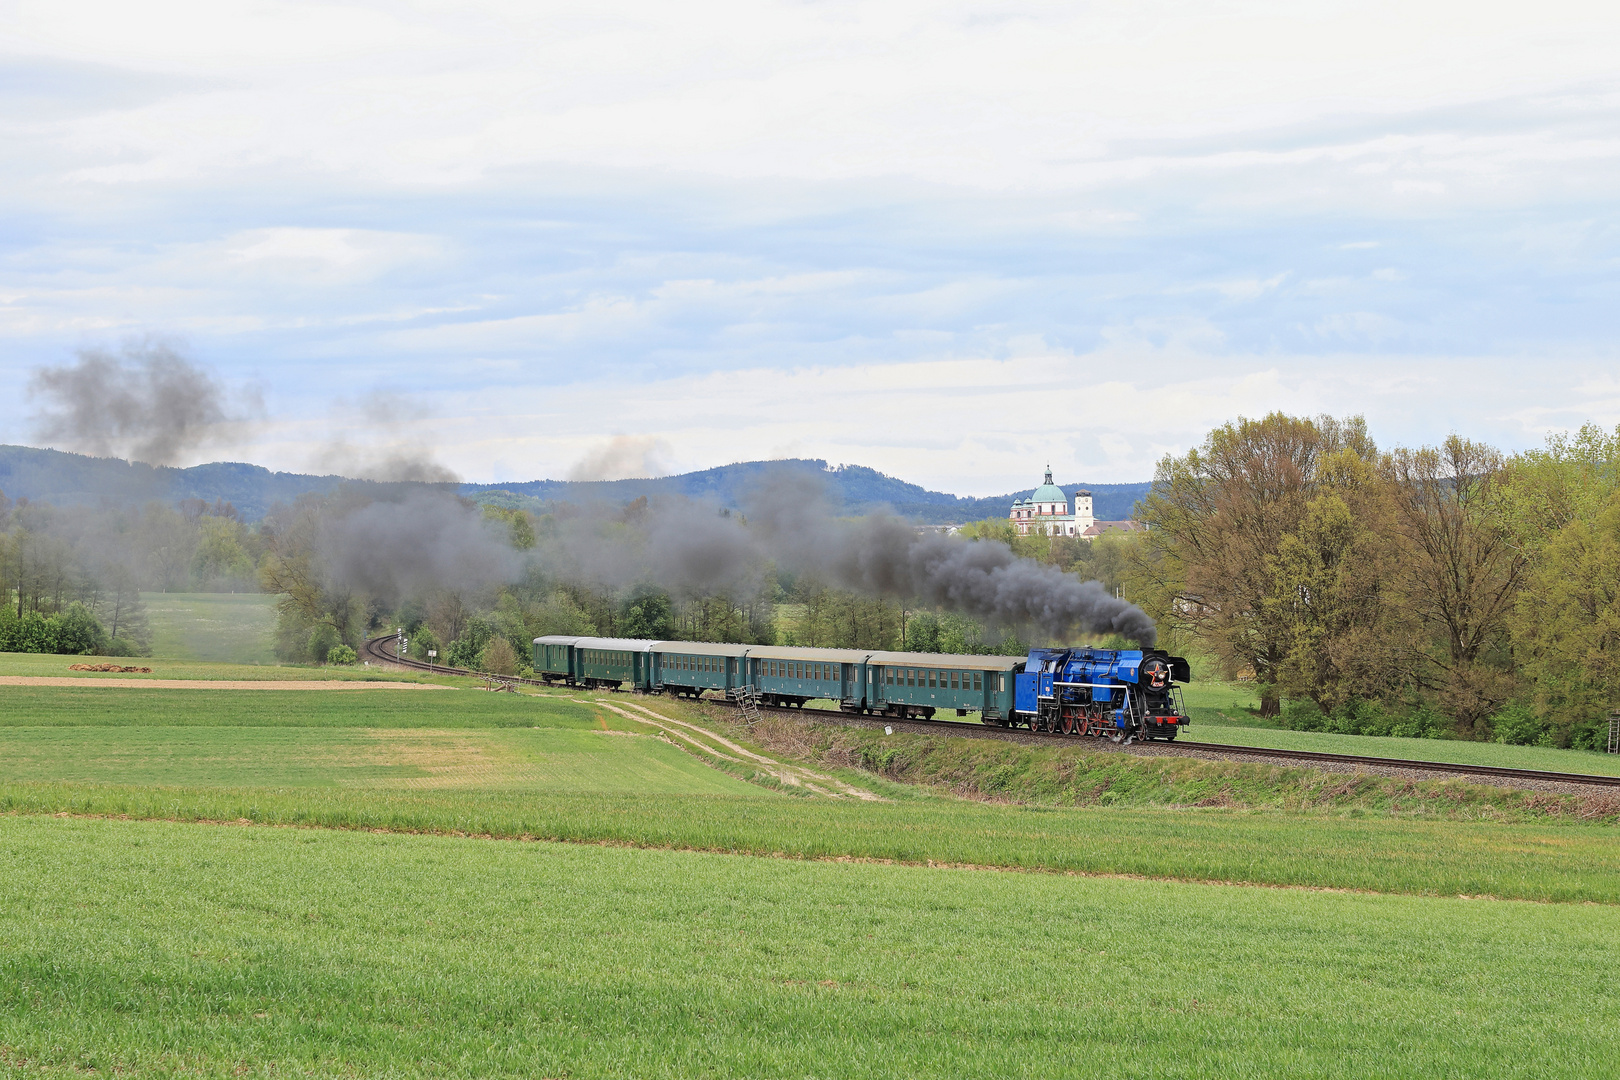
(1068,724)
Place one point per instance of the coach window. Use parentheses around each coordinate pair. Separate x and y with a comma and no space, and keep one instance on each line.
(976,677)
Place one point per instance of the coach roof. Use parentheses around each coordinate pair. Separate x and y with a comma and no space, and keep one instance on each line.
(700,648)
(616,644)
(807,653)
(945,660)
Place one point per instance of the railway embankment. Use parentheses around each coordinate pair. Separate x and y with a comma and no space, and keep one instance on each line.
(1077,774)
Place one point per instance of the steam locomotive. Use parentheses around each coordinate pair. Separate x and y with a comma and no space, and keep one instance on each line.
(1120,694)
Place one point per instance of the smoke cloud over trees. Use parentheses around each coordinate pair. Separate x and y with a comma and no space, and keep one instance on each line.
(147,403)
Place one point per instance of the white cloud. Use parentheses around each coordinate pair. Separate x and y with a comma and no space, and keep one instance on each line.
(943,239)
(983,426)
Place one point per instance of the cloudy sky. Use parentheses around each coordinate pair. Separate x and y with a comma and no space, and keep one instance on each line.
(949,241)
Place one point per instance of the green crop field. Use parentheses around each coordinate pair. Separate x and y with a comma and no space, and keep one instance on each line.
(502,760)
(157,949)
(216,627)
(165,667)
(382,707)
(392,900)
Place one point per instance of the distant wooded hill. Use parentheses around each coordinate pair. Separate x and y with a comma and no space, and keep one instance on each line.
(74,479)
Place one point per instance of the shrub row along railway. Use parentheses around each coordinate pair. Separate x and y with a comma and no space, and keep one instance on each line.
(697,667)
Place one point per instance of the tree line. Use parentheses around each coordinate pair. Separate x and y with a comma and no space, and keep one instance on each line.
(71,577)
(1451,590)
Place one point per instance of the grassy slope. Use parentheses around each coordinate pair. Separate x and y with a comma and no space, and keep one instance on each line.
(1538,862)
(212,627)
(1085,773)
(154,949)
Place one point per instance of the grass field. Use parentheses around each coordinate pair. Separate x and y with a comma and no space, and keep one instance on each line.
(214,627)
(165,667)
(30,706)
(413,914)
(503,760)
(413,762)
(1447,750)
(156,949)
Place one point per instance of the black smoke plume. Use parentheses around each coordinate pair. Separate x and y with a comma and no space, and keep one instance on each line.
(884,556)
(427,540)
(691,550)
(421,542)
(148,404)
(398,444)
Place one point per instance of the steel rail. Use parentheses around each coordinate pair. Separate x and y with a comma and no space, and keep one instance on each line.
(374,650)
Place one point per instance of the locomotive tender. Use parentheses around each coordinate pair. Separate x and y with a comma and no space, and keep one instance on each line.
(1123,694)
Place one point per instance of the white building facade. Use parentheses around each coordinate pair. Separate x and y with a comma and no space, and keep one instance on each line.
(1046,512)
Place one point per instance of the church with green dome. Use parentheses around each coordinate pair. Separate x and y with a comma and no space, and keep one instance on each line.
(1046,512)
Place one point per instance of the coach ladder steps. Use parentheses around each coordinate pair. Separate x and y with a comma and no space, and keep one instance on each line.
(747,699)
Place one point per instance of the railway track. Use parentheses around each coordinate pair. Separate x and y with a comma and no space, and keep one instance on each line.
(377,649)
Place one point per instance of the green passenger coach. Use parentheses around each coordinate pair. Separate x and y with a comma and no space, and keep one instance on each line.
(917,685)
(899,684)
